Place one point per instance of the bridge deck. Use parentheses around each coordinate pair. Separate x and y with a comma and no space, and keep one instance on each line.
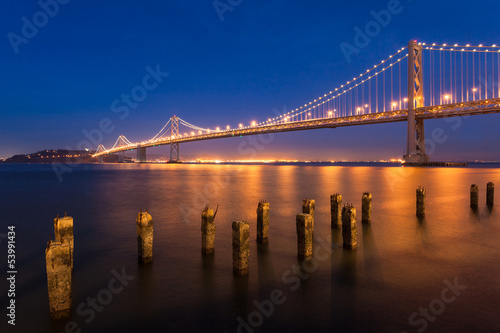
(429,112)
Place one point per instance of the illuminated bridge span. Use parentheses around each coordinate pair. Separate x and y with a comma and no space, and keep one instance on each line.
(457,80)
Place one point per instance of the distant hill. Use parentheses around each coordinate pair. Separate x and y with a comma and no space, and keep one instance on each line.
(58,156)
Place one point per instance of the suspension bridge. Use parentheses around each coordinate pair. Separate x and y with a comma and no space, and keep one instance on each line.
(457,80)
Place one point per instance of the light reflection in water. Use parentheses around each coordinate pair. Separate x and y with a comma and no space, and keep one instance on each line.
(400,263)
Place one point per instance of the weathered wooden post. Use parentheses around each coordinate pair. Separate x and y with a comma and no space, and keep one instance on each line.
(474,196)
(366,208)
(336,210)
(59,278)
(349,232)
(144,223)
(208,230)
(263,221)
(420,202)
(490,191)
(308,207)
(304,225)
(241,247)
(63,231)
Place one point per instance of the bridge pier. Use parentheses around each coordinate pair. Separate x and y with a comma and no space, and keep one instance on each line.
(100,159)
(415,144)
(141,154)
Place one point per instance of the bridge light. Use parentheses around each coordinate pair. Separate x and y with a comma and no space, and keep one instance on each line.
(269,119)
(218,129)
(309,113)
(405,99)
(227,127)
(474,89)
(240,125)
(192,133)
(366,105)
(253,123)
(329,113)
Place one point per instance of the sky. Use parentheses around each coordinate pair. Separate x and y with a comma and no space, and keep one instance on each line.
(217,63)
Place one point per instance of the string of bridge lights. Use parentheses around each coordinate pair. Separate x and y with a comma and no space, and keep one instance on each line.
(461,48)
(294,113)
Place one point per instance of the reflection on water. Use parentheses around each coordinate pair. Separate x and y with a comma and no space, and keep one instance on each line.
(399,266)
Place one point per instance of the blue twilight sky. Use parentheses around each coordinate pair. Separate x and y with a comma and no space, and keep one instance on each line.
(263,55)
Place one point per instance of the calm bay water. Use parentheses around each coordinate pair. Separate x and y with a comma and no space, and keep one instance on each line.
(401,264)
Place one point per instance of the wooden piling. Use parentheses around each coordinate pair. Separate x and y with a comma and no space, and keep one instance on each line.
(366,208)
(490,192)
(336,210)
(308,207)
(349,228)
(420,202)
(241,247)
(263,221)
(63,231)
(474,196)
(304,225)
(59,278)
(144,224)
(207,231)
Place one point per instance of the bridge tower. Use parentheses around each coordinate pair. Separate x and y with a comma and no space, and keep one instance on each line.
(415,146)
(174,146)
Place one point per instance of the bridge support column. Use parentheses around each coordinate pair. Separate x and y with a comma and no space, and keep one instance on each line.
(141,154)
(415,146)
(174,152)
(174,146)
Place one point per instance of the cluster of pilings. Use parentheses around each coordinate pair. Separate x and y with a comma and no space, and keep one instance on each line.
(474,198)
(474,195)
(59,265)
(59,252)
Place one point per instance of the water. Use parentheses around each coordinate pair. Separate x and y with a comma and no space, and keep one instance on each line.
(401,263)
